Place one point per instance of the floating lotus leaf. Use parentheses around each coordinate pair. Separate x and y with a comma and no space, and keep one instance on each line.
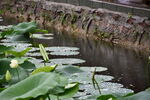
(67,61)
(68,70)
(121,91)
(34,54)
(17,45)
(5,27)
(110,85)
(88,89)
(98,69)
(49,34)
(61,48)
(41,36)
(86,78)
(1,20)
(64,53)
(34,49)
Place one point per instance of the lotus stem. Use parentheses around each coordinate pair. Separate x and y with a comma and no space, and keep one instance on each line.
(44,63)
(48,97)
(95,83)
(57,97)
(17,74)
(97,86)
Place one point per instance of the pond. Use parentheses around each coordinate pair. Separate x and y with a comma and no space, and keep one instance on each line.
(128,66)
(115,64)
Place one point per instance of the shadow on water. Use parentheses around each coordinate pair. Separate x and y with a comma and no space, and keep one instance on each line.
(128,66)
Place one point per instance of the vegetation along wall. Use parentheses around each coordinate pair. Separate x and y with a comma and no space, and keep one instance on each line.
(116,27)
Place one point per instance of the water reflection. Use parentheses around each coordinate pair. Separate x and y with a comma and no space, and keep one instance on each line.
(126,65)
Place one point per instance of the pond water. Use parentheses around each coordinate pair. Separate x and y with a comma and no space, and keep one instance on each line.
(114,64)
(128,66)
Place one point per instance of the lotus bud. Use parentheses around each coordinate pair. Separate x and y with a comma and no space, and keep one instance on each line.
(110,99)
(8,76)
(14,63)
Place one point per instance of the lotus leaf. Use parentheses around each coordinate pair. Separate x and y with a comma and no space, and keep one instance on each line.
(44,69)
(21,53)
(34,86)
(24,27)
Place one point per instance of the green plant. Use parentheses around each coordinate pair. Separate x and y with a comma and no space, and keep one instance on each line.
(8,76)
(43,53)
(2,12)
(74,18)
(130,15)
(22,66)
(44,83)
(19,54)
(94,82)
(41,84)
(44,69)
(25,28)
(144,95)
(5,49)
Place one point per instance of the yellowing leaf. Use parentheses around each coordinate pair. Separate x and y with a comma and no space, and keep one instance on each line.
(44,69)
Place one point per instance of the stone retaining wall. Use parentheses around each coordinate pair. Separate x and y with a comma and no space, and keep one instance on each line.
(103,24)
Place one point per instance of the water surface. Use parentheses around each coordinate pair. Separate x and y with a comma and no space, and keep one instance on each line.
(128,66)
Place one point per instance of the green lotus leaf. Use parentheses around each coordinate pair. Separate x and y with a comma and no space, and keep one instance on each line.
(69,69)
(35,86)
(25,27)
(6,33)
(5,65)
(28,65)
(20,29)
(40,30)
(107,97)
(19,54)
(144,95)
(70,92)
(5,48)
(23,65)
(44,69)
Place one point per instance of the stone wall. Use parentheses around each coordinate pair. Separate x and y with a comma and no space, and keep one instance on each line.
(120,28)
